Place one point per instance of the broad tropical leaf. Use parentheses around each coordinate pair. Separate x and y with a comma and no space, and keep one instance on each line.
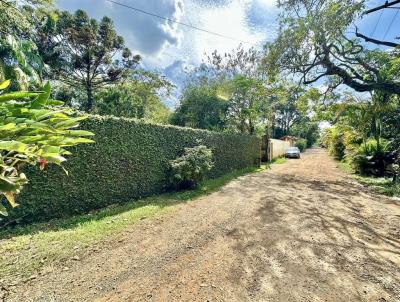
(34,132)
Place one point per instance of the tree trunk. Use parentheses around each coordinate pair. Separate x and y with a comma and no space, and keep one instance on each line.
(251,127)
(89,102)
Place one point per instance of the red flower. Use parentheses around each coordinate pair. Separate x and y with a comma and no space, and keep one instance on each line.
(42,163)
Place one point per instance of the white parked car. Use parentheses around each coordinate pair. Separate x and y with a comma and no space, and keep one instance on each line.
(292,152)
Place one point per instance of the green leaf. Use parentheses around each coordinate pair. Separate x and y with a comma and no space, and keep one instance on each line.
(11,199)
(42,98)
(17,95)
(55,102)
(73,122)
(5,84)
(55,159)
(13,146)
(78,133)
(7,185)
(8,127)
(3,210)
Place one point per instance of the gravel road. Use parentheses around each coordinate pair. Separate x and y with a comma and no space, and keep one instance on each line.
(301,231)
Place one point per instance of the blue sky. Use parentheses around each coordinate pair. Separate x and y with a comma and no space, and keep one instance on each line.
(170,47)
(383,24)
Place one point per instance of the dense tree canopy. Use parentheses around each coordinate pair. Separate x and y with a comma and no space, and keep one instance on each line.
(85,53)
(313,44)
(201,107)
(139,96)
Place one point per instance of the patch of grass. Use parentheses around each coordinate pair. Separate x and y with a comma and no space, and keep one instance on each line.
(345,166)
(381,185)
(26,249)
(279,160)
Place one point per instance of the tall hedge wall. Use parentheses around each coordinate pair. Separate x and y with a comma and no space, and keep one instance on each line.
(129,160)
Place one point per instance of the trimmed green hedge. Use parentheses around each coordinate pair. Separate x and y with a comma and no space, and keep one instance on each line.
(129,160)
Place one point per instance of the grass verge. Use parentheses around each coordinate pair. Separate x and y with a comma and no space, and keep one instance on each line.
(279,160)
(381,185)
(345,166)
(26,249)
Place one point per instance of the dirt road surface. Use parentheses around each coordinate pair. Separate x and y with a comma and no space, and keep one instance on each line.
(301,231)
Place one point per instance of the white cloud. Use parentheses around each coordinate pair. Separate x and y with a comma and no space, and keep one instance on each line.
(170,46)
(142,33)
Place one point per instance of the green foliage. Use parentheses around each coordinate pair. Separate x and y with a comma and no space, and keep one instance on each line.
(313,42)
(189,169)
(370,133)
(129,159)
(138,97)
(17,18)
(325,137)
(306,129)
(246,103)
(82,53)
(336,144)
(366,158)
(381,185)
(201,107)
(20,60)
(32,131)
(301,144)
(278,160)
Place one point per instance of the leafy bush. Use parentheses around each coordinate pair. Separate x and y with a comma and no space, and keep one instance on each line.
(301,144)
(188,170)
(129,160)
(325,138)
(336,145)
(368,158)
(32,132)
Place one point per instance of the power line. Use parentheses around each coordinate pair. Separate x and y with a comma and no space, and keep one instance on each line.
(177,22)
(376,24)
(390,25)
(386,5)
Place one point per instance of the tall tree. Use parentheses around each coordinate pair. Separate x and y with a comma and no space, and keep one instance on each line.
(247,103)
(241,84)
(139,97)
(201,107)
(85,53)
(239,61)
(286,108)
(313,43)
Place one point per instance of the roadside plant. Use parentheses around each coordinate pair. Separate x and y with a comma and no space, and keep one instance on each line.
(188,170)
(369,158)
(337,147)
(34,130)
(301,144)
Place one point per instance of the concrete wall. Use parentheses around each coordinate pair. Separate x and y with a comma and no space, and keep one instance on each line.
(277,147)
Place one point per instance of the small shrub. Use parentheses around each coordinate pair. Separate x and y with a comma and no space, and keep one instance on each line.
(368,158)
(188,170)
(337,146)
(301,144)
(325,137)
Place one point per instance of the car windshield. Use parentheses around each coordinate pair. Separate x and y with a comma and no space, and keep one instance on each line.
(293,149)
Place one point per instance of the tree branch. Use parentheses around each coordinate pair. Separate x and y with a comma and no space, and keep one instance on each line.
(375,41)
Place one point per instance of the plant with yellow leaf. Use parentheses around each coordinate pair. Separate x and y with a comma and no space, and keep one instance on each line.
(34,130)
